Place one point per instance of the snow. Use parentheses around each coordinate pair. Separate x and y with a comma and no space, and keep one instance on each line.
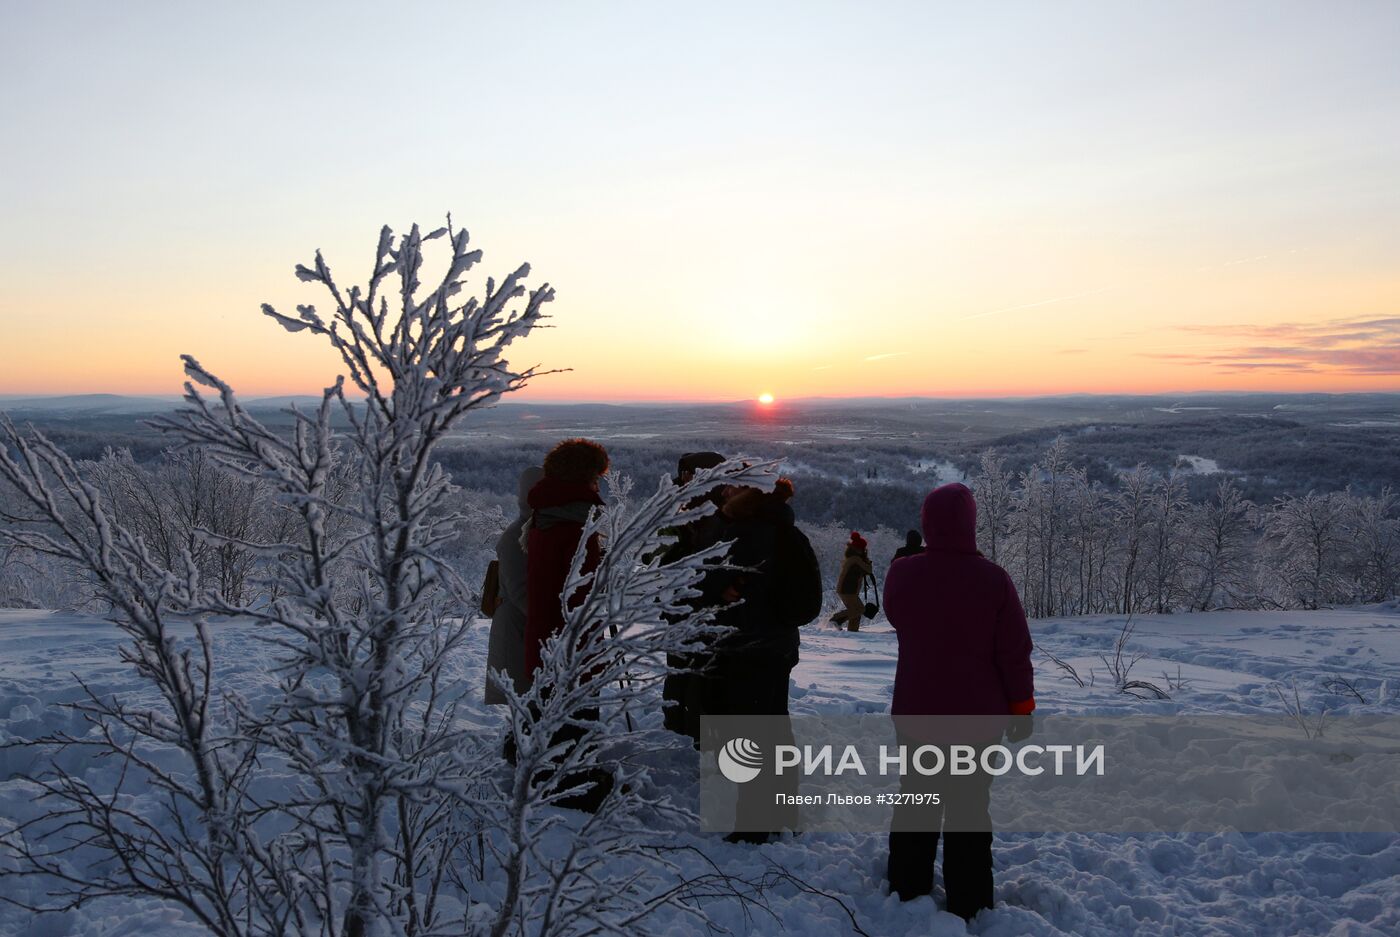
(941,470)
(1366,424)
(1218,883)
(1200,465)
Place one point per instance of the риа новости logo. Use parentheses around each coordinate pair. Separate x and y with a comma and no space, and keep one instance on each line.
(740,760)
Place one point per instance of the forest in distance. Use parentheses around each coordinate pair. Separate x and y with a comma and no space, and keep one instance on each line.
(861,461)
(1094,504)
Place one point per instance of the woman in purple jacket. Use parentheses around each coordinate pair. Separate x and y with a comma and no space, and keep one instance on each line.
(964,649)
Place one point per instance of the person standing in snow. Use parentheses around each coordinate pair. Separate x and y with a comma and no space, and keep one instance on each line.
(560,502)
(855,567)
(964,649)
(913,545)
(681,691)
(506,648)
(775,591)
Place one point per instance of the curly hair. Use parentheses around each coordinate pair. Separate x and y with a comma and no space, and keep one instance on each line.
(576,460)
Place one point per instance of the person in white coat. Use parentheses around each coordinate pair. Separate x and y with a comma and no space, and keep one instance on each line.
(506,649)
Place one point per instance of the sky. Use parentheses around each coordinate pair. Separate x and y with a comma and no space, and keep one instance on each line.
(802,199)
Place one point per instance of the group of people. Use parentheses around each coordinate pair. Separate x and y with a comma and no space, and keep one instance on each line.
(964,644)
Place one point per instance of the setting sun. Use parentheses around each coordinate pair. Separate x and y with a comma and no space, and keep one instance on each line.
(765,399)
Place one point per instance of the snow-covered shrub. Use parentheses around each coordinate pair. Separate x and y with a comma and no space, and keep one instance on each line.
(391,810)
(363,611)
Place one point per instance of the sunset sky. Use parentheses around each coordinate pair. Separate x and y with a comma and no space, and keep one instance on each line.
(794,198)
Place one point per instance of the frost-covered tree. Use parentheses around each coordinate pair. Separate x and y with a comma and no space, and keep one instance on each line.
(355,665)
(187,504)
(1374,523)
(1308,544)
(1220,554)
(994,487)
(389,813)
(1132,515)
(365,617)
(1090,544)
(1167,533)
(195,852)
(1042,518)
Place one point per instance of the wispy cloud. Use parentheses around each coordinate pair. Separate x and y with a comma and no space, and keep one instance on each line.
(1042,302)
(888,354)
(1257,258)
(1233,263)
(1369,346)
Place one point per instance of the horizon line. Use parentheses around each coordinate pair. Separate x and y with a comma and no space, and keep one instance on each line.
(513,400)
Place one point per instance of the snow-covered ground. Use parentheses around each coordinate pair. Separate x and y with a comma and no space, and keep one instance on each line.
(1199,465)
(1223,883)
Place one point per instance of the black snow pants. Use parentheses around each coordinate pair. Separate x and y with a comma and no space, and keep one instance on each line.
(756,684)
(967,845)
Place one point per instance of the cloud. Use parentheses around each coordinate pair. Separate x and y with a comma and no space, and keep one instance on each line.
(1233,263)
(1355,345)
(888,354)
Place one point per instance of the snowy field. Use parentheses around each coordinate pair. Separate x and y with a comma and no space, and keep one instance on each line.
(1225,883)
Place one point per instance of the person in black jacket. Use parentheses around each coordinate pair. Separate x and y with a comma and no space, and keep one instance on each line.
(913,545)
(780,588)
(680,692)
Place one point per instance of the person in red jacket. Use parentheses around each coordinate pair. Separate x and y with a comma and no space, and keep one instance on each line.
(964,649)
(559,503)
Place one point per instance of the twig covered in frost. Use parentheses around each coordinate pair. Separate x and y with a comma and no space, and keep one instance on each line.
(146,599)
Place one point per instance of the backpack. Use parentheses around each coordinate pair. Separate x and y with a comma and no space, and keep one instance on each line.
(491,597)
(796,583)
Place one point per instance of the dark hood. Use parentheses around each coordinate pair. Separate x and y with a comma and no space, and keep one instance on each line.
(949,518)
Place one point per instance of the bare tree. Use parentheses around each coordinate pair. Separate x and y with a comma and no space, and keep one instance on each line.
(1308,543)
(995,503)
(1375,544)
(1133,510)
(1219,554)
(1167,541)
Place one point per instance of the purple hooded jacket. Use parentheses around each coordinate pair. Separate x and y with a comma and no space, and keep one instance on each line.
(964,647)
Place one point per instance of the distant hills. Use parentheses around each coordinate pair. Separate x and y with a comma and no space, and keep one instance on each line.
(121,404)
